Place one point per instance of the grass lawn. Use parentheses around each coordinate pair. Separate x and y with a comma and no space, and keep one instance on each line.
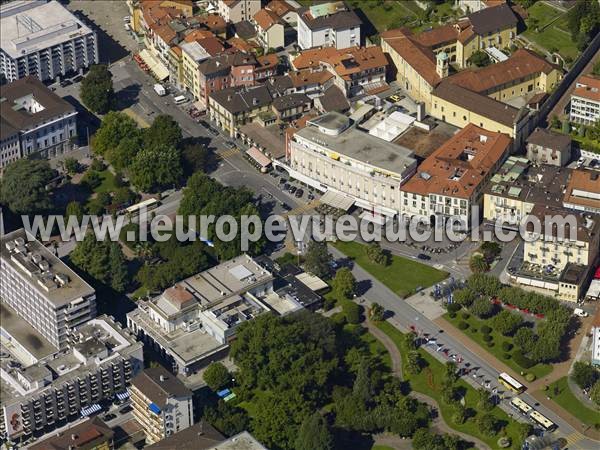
(551,35)
(108,182)
(402,276)
(381,447)
(429,382)
(571,403)
(539,370)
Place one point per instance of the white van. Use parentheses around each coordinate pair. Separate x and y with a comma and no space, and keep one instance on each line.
(180,99)
(580,312)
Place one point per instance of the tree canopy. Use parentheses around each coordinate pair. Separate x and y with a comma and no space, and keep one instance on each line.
(216,376)
(164,131)
(102,260)
(317,258)
(314,434)
(156,168)
(96,90)
(344,284)
(23,187)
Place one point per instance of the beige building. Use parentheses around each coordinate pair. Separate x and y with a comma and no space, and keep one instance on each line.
(162,405)
(233,107)
(583,191)
(450,181)
(235,11)
(269,28)
(331,155)
(517,187)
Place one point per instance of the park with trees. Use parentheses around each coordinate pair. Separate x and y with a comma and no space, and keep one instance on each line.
(525,330)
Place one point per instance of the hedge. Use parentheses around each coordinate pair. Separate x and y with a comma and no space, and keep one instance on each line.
(522,360)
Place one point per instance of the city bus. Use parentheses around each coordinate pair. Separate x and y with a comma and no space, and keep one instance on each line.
(510,383)
(542,421)
(134,210)
(520,405)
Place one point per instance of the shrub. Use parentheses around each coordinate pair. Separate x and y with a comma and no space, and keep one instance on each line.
(507,346)
(465,315)
(487,338)
(452,315)
(463,325)
(474,330)
(522,360)
(486,330)
(530,377)
(352,312)
(453,307)
(490,344)
(339,318)
(506,356)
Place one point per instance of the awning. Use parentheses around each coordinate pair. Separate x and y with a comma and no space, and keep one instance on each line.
(90,410)
(337,200)
(154,408)
(258,156)
(156,67)
(123,395)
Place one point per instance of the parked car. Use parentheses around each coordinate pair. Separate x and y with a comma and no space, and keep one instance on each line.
(299,193)
(282,180)
(65,83)
(580,312)
(109,416)
(292,189)
(423,257)
(286,186)
(125,409)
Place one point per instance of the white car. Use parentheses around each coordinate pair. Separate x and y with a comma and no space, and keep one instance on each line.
(127,19)
(580,312)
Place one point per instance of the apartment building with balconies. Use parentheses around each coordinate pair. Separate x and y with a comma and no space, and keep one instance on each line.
(45,40)
(43,290)
(162,405)
(64,385)
(585,100)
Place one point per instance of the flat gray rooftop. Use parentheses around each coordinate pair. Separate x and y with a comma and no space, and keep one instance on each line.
(43,280)
(363,147)
(24,333)
(28,26)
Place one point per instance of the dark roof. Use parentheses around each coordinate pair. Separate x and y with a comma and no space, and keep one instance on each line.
(290,101)
(83,436)
(244,29)
(549,139)
(477,103)
(334,100)
(299,292)
(493,19)
(20,118)
(221,64)
(339,20)
(158,391)
(200,436)
(282,83)
(241,99)
(574,273)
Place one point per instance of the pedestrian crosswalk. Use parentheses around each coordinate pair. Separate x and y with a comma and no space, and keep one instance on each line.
(572,440)
(226,153)
(302,208)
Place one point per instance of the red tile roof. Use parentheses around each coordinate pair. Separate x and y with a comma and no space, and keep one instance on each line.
(265,18)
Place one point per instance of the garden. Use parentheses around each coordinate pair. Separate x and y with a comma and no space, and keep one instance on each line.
(561,393)
(525,330)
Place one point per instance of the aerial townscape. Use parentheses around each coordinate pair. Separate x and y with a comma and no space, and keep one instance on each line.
(299,224)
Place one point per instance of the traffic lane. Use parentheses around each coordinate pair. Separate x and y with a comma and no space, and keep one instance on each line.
(406,316)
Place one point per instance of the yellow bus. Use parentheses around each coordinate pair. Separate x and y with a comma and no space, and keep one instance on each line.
(510,383)
(520,405)
(542,421)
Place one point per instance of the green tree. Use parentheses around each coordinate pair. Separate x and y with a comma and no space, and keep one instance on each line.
(484,284)
(344,284)
(596,69)
(314,434)
(74,209)
(118,267)
(156,168)
(507,322)
(479,59)
(377,312)
(414,362)
(23,187)
(464,297)
(91,179)
(216,376)
(488,424)
(352,312)
(71,165)
(482,308)
(164,132)
(484,401)
(317,259)
(226,418)
(451,373)
(459,414)
(118,139)
(478,264)
(584,374)
(377,255)
(524,338)
(196,157)
(96,91)
(523,431)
